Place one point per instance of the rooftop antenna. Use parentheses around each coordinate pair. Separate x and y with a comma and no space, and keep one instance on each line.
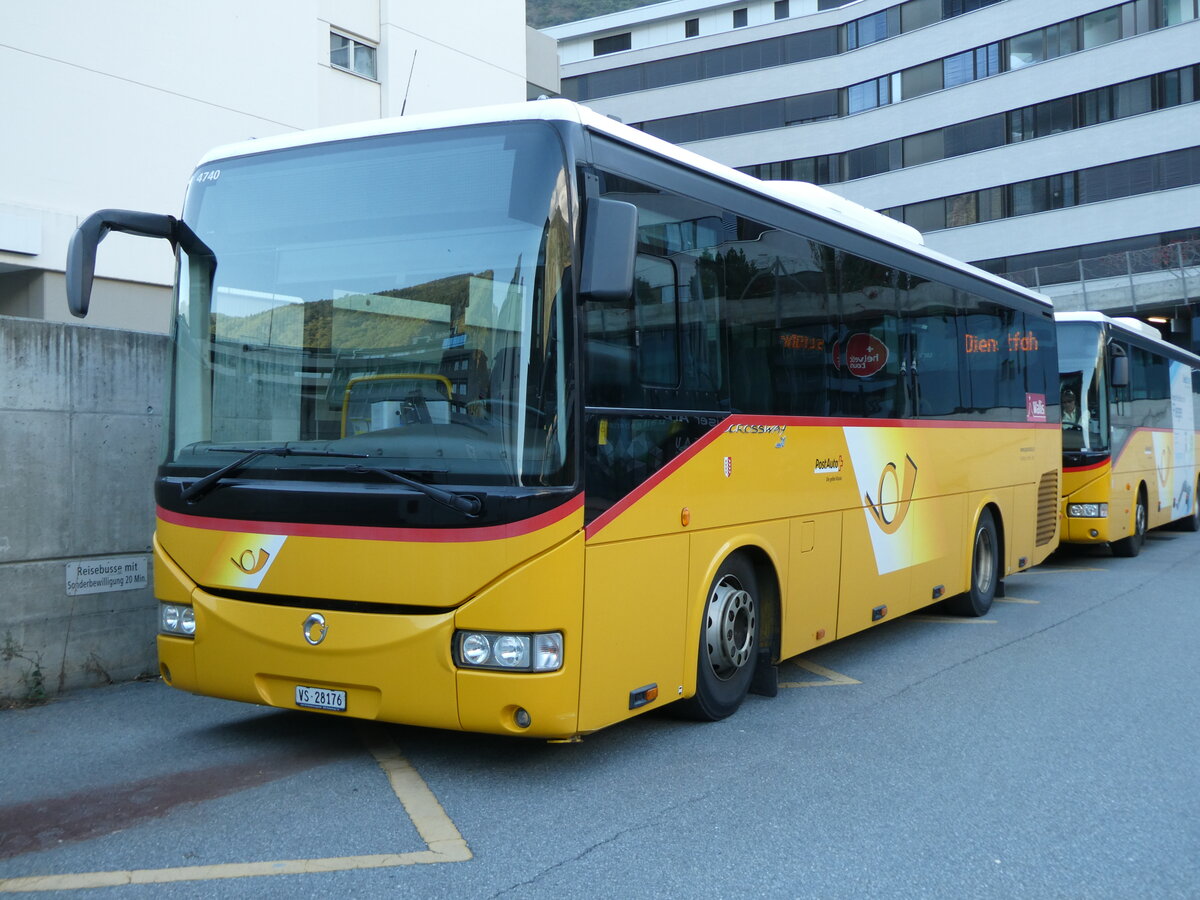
(407,87)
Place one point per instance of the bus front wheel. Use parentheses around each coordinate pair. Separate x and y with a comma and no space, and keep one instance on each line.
(1132,545)
(985,570)
(728,643)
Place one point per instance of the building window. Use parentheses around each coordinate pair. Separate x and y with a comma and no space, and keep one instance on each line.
(1101,27)
(869,94)
(781,10)
(351,55)
(869,30)
(614,43)
(691,27)
(739,18)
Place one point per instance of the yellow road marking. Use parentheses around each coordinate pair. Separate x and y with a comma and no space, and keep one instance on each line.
(956,620)
(1017,600)
(443,843)
(829,676)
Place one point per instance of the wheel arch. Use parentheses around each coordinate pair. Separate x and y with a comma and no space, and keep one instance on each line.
(992,505)
(764,558)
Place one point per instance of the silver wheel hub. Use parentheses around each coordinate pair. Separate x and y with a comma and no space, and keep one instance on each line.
(985,561)
(730,627)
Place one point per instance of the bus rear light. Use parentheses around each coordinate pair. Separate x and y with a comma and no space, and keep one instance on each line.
(541,652)
(177,619)
(1087,510)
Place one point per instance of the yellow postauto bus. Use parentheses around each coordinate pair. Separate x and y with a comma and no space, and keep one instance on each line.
(520,421)
(1130,405)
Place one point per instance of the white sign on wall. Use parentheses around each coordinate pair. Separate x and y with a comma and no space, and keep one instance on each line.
(99,576)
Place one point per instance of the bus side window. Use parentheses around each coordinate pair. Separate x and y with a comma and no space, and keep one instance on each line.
(937,346)
(993,338)
(656,310)
(868,357)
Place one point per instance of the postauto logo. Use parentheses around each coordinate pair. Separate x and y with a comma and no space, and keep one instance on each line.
(829,464)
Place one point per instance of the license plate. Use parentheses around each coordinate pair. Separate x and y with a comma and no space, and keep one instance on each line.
(320,698)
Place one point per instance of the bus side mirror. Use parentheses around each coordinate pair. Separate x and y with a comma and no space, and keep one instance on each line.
(1120,371)
(81,253)
(609,250)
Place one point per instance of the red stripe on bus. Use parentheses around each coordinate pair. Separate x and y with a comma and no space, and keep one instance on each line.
(658,477)
(610,514)
(1103,462)
(382,533)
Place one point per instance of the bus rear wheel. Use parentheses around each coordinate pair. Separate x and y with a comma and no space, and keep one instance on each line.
(728,643)
(1132,545)
(985,570)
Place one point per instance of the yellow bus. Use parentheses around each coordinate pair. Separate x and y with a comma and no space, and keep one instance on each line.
(521,421)
(1130,403)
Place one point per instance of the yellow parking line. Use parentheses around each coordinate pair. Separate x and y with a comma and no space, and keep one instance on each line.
(829,676)
(443,843)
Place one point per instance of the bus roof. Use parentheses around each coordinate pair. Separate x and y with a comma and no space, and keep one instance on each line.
(801,195)
(1129,326)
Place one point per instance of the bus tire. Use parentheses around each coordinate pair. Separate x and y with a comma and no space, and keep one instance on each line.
(1131,546)
(728,642)
(985,570)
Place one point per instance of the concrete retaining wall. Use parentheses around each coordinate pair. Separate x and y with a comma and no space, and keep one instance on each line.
(80,426)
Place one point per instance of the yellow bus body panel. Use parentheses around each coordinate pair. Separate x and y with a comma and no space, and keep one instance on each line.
(849,525)
(791,492)
(1146,461)
(393,667)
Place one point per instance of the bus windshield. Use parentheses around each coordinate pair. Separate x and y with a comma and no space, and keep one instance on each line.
(1083,388)
(397,298)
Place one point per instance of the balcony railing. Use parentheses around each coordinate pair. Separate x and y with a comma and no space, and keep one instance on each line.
(1153,277)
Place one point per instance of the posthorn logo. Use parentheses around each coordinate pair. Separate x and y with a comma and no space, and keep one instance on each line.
(315,629)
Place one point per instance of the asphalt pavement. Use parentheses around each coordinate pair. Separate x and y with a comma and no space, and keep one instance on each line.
(1047,750)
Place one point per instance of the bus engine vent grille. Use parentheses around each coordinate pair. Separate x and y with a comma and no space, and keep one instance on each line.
(1047,511)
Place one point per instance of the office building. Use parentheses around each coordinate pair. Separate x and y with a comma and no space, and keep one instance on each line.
(1055,143)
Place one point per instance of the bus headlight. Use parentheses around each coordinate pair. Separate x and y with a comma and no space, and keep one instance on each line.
(542,652)
(1087,510)
(177,619)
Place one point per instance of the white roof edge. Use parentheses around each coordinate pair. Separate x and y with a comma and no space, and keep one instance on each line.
(507,112)
(801,195)
(1125,323)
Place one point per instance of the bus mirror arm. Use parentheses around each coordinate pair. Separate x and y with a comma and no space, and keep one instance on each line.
(81,253)
(609,250)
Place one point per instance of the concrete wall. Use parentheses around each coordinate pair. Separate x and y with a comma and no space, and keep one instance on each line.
(80,421)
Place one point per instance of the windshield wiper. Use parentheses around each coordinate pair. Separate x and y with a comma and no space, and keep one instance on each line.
(198,489)
(463,503)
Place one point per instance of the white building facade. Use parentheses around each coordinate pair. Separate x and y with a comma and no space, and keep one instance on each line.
(1055,143)
(111,104)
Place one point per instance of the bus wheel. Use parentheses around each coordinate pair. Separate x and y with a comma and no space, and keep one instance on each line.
(985,571)
(1132,545)
(728,643)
